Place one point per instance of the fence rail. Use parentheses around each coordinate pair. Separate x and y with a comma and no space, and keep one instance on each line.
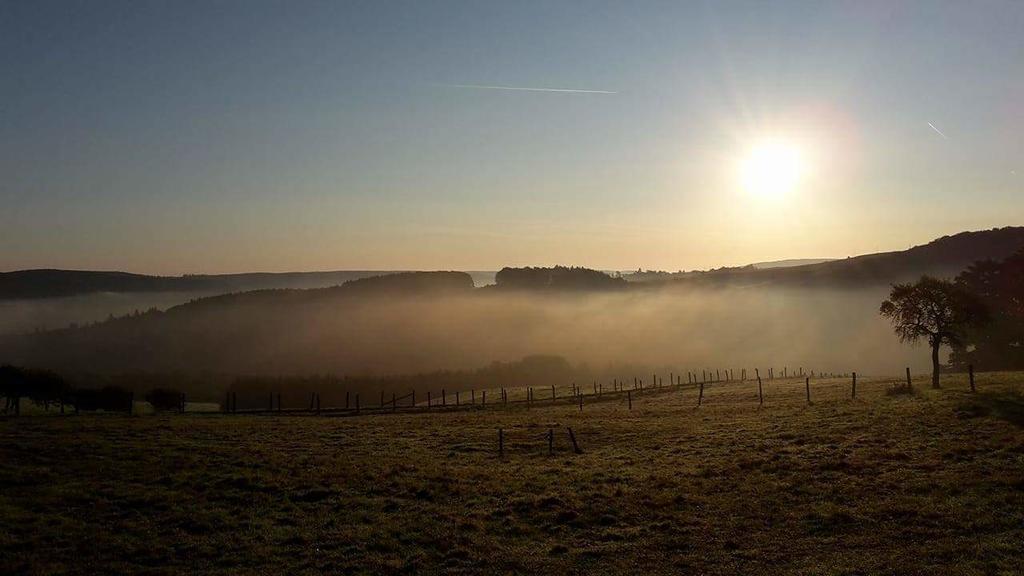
(529,396)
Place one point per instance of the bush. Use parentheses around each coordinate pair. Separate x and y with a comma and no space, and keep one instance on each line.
(44,386)
(108,398)
(164,399)
(13,385)
(898,389)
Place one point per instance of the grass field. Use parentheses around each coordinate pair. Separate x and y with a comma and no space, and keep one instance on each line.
(929,483)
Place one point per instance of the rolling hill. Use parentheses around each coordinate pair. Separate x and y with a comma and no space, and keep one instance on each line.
(423,321)
(944,257)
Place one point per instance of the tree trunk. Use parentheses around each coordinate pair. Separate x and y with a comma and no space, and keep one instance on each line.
(935,364)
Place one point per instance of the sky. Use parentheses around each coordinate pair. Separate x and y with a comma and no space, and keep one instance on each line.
(226,136)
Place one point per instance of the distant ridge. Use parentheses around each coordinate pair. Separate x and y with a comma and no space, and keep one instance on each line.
(32,284)
(790,263)
(944,257)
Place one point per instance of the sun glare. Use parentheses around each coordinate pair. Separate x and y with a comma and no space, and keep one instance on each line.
(771,169)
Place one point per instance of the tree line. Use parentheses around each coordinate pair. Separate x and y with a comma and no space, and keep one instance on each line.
(50,390)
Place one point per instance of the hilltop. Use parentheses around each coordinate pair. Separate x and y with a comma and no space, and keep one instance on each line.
(944,257)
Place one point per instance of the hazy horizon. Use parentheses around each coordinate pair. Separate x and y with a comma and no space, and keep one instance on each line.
(493,269)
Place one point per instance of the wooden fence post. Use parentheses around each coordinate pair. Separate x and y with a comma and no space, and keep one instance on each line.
(970,373)
(807,382)
(552,392)
(483,397)
(575,446)
(760,392)
(629,398)
(456,397)
(853,391)
(909,385)
(444,397)
(700,398)
(581,402)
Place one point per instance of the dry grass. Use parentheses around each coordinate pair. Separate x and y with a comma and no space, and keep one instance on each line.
(928,483)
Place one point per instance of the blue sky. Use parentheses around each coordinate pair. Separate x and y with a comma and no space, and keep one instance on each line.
(172,137)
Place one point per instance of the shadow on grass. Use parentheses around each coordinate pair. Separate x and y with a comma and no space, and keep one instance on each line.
(1008,407)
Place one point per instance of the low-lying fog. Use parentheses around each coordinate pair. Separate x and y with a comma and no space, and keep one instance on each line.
(819,329)
(20,316)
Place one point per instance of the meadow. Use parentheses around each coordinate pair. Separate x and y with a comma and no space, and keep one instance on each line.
(925,483)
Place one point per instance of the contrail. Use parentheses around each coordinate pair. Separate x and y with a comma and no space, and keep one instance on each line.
(937,131)
(528,89)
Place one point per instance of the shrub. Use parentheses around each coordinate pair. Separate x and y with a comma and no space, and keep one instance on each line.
(109,398)
(44,386)
(164,399)
(898,389)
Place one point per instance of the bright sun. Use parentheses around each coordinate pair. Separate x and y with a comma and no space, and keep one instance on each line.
(771,169)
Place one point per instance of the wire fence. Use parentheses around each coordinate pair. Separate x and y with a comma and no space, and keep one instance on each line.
(625,391)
